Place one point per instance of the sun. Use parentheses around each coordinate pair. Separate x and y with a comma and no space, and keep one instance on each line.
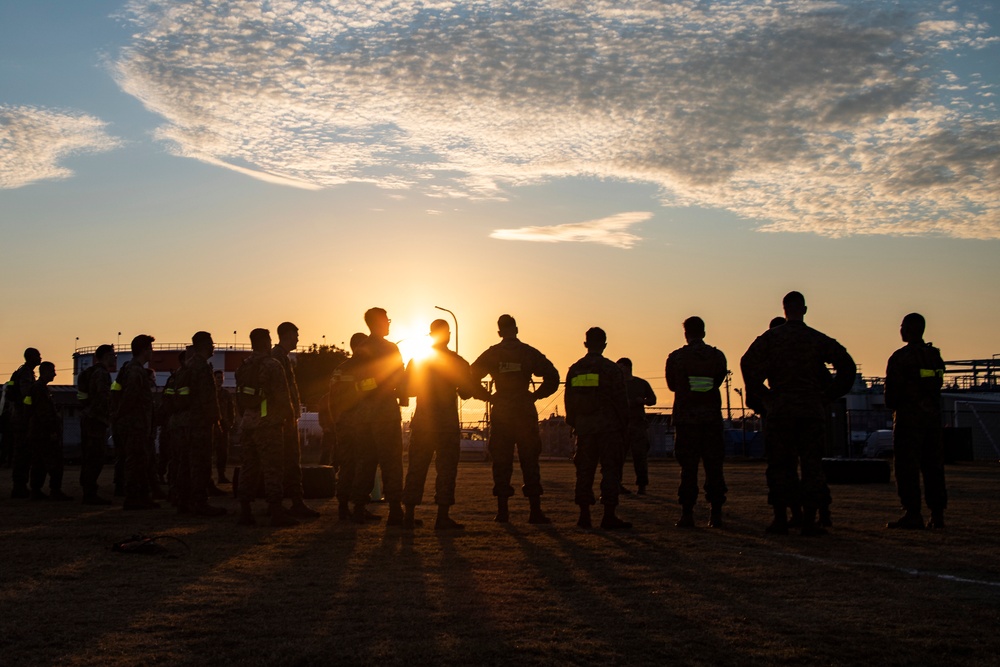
(412,345)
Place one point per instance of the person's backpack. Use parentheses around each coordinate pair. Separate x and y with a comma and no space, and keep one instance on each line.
(249,393)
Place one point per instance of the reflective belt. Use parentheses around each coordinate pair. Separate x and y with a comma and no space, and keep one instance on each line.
(585,380)
(700,383)
(263,408)
(115,386)
(82,395)
(931,373)
(368,384)
(27,400)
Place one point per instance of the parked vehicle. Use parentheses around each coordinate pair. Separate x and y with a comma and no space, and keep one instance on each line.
(879,445)
(473,446)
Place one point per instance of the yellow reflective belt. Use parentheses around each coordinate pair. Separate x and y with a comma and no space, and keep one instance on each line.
(250,391)
(263,408)
(931,373)
(115,386)
(700,383)
(367,385)
(586,380)
(82,395)
(27,400)
(184,391)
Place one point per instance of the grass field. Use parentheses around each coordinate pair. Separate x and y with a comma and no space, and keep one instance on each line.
(328,593)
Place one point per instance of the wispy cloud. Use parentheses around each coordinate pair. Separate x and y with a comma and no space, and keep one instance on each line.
(831,117)
(33,142)
(612,231)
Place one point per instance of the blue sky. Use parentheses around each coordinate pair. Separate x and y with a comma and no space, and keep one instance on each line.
(173,166)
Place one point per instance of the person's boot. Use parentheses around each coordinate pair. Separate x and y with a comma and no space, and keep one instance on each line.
(204,509)
(641,490)
(503,510)
(37,494)
(140,503)
(535,514)
(779,526)
(344,511)
(584,520)
(409,519)
(302,511)
(280,517)
(715,518)
(796,520)
(57,494)
(94,499)
(937,520)
(445,522)
(825,519)
(909,521)
(214,491)
(809,526)
(246,515)
(395,517)
(610,520)
(157,492)
(687,518)
(361,515)
(20,492)
(222,477)
(119,490)
(624,490)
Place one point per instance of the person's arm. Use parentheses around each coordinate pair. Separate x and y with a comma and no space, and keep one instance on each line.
(550,378)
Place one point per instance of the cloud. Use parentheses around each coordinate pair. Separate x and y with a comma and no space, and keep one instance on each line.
(829,117)
(610,231)
(33,142)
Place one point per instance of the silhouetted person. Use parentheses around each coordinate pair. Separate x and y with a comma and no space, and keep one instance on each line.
(15,391)
(694,373)
(288,340)
(640,394)
(44,436)
(913,380)
(94,394)
(435,430)
(382,431)
(351,382)
(132,415)
(597,410)
(266,406)
(227,417)
(197,417)
(513,416)
(792,359)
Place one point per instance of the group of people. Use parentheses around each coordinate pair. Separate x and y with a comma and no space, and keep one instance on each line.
(785,373)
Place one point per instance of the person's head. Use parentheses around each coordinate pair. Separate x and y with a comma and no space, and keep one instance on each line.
(595,340)
(260,340)
(142,348)
(694,329)
(912,328)
(506,326)
(32,357)
(203,344)
(776,322)
(440,333)
(46,371)
(358,343)
(626,365)
(288,336)
(378,322)
(795,306)
(219,377)
(105,356)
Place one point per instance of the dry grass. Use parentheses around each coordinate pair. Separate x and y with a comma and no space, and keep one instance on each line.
(328,593)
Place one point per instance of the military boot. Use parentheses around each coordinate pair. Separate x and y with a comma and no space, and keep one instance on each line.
(687,518)
(409,519)
(94,499)
(584,520)
(909,521)
(280,517)
(937,520)
(779,526)
(825,519)
(535,514)
(796,520)
(445,522)
(395,517)
(503,510)
(715,518)
(344,511)
(810,528)
(642,490)
(302,511)
(246,515)
(610,520)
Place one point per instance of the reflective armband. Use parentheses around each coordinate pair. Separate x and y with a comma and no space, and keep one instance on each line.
(585,380)
(700,383)
(368,384)
(184,391)
(115,386)
(931,373)
(27,400)
(249,391)
(263,408)
(82,395)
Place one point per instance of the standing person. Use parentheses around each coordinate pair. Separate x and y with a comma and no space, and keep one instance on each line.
(44,436)
(94,394)
(597,410)
(227,417)
(16,437)
(288,340)
(792,359)
(694,373)
(266,406)
(913,380)
(640,394)
(170,424)
(132,420)
(350,383)
(435,430)
(384,420)
(197,414)
(513,416)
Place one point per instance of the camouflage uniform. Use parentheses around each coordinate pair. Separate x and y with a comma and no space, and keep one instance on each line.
(913,381)
(196,420)
(792,358)
(290,429)
(16,390)
(220,438)
(513,416)
(381,433)
(45,437)
(597,409)
(132,425)
(640,394)
(262,427)
(435,428)
(95,418)
(349,385)
(694,373)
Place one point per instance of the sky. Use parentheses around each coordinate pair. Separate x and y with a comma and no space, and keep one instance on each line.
(174,166)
